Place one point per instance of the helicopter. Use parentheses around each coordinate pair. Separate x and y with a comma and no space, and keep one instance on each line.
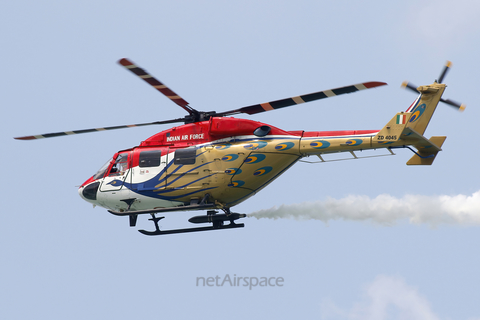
(213,162)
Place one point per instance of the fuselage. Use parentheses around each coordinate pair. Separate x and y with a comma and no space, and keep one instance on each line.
(227,158)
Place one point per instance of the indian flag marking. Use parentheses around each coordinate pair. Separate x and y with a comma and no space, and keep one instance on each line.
(401,119)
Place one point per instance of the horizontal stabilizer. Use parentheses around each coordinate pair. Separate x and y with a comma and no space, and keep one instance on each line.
(427,149)
(420,142)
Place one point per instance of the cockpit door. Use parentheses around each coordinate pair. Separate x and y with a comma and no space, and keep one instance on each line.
(117,173)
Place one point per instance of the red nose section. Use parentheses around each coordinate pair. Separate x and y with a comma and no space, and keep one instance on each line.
(87,182)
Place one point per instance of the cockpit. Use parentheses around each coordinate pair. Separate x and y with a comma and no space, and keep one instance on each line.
(115,167)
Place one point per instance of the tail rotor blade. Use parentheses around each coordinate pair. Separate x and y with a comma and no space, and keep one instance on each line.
(459,106)
(410,86)
(444,71)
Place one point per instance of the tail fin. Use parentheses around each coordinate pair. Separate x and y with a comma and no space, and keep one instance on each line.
(407,128)
(423,108)
(416,118)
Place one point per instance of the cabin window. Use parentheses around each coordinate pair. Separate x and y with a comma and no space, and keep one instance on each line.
(185,156)
(149,158)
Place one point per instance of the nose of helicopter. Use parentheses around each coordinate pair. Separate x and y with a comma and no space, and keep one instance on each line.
(88,190)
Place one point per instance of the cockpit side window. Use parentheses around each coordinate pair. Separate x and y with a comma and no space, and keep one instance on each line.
(150,158)
(120,165)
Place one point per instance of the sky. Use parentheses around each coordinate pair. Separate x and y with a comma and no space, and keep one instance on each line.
(359,239)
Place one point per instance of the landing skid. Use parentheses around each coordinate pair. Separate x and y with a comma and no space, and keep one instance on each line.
(217,220)
(217,225)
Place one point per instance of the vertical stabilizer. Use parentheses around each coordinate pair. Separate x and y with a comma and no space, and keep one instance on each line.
(422,111)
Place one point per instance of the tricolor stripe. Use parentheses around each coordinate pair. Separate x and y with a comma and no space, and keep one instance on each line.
(413,105)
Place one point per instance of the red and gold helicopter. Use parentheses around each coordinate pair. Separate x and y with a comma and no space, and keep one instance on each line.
(213,162)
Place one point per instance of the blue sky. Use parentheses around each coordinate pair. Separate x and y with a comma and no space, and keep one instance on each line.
(63,259)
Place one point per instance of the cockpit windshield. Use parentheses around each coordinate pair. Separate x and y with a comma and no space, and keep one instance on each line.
(119,167)
(101,172)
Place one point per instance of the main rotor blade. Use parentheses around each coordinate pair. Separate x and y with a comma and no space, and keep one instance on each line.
(67,133)
(257,108)
(148,78)
(444,72)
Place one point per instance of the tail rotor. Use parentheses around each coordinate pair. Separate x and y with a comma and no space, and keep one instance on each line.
(414,88)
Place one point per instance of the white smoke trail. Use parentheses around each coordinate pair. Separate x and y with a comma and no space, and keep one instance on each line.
(385,209)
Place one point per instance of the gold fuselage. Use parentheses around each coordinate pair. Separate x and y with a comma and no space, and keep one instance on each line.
(229,172)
